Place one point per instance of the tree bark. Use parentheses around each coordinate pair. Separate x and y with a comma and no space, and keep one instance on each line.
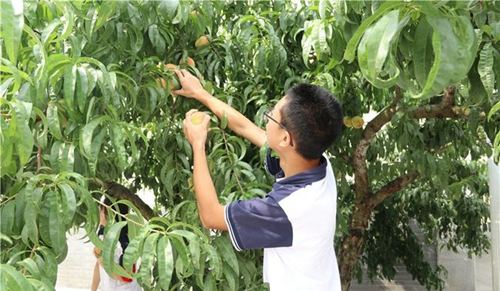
(120,192)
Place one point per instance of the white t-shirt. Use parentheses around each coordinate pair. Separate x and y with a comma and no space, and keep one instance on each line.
(295,224)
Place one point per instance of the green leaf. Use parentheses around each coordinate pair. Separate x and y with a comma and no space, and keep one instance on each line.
(106,84)
(7,214)
(54,157)
(82,88)
(118,145)
(49,263)
(136,38)
(225,248)
(53,119)
(320,39)
(134,248)
(110,243)
(193,245)
(17,74)
(44,222)
(7,166)
(422,52)
(165,262)
(25,142)
(306,44)
(4,87)
(68,203)
(69,21)
(353,42)
(48,33)
(485,68)
(156,39)
(91,149)
(454,45)
(223,122)
(493,110)
(70,85)
(496,147)
(105,11)
(25,145)
(168,7)
(147,259)
(230,276)
(41,286)
(374,49)
(182,256)
(12,27)
(215,260)
(32,267)
(30,229)
(40,135)
(67,158)
(18,118)
(13,280)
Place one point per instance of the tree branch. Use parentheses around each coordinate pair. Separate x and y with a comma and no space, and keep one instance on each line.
(392,187)
(359,160)
(445,109)
(119,192)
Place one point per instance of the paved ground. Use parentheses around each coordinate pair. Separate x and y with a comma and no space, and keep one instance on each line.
(484,275)
(75,273)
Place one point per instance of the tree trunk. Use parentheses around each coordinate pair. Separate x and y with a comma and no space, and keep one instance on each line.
(352,245)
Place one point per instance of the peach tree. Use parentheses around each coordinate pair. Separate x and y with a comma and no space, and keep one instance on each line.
(86,108)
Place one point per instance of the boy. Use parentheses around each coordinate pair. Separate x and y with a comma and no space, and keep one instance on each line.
(295,223)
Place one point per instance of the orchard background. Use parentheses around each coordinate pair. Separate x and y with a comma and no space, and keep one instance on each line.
(86,107)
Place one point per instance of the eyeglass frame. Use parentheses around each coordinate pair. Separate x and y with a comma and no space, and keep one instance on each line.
(267,116)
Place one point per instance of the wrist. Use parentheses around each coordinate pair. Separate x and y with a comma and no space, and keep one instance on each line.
(202,95)
(198,148)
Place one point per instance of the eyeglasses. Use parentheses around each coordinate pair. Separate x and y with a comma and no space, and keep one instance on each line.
(267,117)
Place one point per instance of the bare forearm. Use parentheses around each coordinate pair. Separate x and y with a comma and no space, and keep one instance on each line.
(211,211)
(96,278)
(237,122)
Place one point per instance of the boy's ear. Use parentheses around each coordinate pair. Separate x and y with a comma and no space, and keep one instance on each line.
(286,140)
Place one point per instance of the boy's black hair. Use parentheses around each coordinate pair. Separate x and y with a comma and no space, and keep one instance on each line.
(314,118)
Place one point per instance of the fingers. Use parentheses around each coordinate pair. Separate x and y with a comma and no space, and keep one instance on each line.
(190,112)
(184,76)
(184,127)
(206,122)
(183,73)
(186,119)
(179,73)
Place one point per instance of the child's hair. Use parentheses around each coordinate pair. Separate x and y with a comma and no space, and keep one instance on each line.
(121,208)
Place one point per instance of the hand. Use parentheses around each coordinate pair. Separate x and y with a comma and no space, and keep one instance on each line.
(191,86)
(196,134)
(97,252)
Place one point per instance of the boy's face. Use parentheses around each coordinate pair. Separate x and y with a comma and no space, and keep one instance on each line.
(276,132)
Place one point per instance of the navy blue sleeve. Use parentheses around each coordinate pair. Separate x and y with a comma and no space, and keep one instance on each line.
(258,223)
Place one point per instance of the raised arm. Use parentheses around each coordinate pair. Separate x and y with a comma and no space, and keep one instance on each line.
(237,122)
